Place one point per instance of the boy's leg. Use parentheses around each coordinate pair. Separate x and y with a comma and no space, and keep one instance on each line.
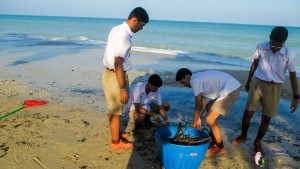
(166,106)
(114,124)
(253,104)
(264,125)
(137,117)
(217,108)
(155,107)
(123,135)
(270,102)
(111,91)
(218,149)
(245,126)
(116,142)
(211,120)
(212,139)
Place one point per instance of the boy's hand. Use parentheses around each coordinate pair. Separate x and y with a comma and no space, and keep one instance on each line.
(294,105)
(197,124)
(167,122)
(157,119)
(123,96)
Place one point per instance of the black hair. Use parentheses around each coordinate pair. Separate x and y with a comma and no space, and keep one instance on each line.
(279,34)
(139,13)
(181,73)
(155,80)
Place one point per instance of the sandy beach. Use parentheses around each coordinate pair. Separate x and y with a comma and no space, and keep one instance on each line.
(72,130)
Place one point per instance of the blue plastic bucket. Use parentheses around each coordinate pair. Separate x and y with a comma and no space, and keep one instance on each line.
(175,156)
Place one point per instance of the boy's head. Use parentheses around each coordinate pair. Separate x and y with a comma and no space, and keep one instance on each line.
(278,37)
(155,80)
(137,19)
(139,13)
(183,75)
(279,34)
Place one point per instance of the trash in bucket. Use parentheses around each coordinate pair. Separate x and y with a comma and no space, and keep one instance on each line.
(176,155)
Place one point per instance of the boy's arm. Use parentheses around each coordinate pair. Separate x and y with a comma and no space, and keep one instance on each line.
(251,72)
(121,80)
(200,103)
(164,114)
(294,85)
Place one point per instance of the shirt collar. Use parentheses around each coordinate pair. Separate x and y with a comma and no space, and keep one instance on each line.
(128,28)
(144,88)
(281,51)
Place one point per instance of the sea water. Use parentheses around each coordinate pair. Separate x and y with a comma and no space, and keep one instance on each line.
(231,44)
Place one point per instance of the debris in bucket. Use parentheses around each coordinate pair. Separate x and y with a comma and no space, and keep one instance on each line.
(182,139)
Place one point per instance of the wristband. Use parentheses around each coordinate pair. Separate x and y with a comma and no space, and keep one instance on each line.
(296,96)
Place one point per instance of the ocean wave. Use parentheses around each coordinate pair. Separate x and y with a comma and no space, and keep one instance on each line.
(29,40)
(216,58)
(157,50)
(200,56)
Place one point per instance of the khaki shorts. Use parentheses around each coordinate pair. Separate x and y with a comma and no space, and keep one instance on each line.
(265,94)
(112,91)
(130,113)
(223,106)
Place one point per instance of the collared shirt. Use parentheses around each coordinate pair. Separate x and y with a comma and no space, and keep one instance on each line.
(118,45)
(213,84)
(272,66)
(138,95)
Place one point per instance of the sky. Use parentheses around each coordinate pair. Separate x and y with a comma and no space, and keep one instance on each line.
(261,12)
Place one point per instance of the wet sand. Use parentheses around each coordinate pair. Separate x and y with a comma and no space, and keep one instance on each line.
(72,130)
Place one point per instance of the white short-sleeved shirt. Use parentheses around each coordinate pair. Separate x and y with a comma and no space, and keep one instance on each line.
(272,66)
(138,95)
(213,84)
(118,45)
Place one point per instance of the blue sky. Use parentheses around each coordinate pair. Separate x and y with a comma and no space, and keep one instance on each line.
(263,12)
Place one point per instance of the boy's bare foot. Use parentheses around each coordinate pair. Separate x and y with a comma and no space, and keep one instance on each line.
(258,148)
(215,151)
(125,135)
(237,141)
(121,146)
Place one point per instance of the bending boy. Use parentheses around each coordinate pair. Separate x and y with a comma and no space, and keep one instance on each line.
(222,90)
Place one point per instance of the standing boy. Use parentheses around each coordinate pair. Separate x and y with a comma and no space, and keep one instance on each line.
(116,62)
(222,90)
(271,60)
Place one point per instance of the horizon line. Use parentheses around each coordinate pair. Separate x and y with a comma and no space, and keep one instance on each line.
(94,17)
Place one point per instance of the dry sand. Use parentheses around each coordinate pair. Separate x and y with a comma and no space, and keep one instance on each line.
(72,130)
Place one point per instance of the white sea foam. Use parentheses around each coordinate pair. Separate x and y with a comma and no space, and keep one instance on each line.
(156,50)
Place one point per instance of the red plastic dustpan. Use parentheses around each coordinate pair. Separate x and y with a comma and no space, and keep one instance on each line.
(27,104)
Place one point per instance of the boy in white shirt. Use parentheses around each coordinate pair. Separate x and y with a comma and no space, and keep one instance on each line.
(222,90)
(116,63)
(271,60)
(145,101)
